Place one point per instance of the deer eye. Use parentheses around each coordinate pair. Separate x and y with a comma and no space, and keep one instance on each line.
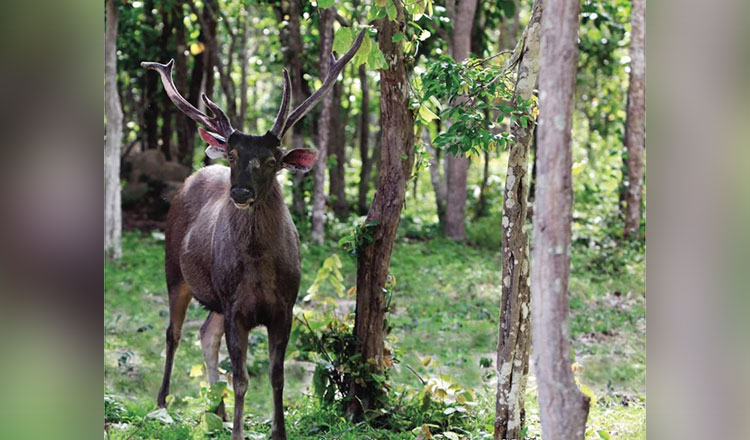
(271,163)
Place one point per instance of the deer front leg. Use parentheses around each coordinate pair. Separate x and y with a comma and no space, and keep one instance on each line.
(236,336)
(278,337)
(211,333)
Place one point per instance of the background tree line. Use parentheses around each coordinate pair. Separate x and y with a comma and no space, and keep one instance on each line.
(439,93)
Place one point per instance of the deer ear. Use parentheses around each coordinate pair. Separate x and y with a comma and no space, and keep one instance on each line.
(217,145)
(299,159)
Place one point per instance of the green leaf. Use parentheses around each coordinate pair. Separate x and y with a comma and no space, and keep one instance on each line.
(363,54)
(376,12)
(397,37)
(376,60)
(210,422)
(390,9)
(323,4)
(343,40)
(381,3)
(604,435)
(426,114)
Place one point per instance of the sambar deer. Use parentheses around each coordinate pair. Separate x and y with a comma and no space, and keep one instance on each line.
(231,243)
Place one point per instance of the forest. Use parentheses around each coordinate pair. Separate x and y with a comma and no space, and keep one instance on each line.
(467,182)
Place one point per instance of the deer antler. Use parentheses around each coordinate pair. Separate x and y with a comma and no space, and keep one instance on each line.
(219,123)
(284,123)
(284,109)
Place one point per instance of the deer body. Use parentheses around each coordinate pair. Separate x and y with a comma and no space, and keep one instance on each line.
(232,245)
(247,257)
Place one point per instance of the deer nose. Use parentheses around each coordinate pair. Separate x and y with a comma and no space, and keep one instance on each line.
(241,195)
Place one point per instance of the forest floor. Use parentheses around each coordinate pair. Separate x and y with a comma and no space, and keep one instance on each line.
(444,324)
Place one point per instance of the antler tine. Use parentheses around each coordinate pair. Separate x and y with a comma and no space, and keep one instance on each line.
(333,72)
(219,123)
(284,108)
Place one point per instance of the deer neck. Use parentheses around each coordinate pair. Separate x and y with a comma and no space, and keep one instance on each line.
(258,224)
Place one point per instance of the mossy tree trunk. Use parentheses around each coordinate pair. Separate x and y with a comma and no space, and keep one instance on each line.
(515,327)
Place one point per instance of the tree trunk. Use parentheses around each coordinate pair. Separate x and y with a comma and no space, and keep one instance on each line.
(208,30)
(324,129)
(244,57)
(113,112)
(291,37)
(364,139)
(515,326)
(185,142)
(337,189)
(438,183)
(167,113)
(150,96)
(397,160)
(635,128)
(482,202)
(563,409)
(457,168)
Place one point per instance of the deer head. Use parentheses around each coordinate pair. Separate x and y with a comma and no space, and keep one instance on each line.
(254,160)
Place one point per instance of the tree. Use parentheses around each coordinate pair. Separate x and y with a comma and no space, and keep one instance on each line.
(324,128)
(635,126)
(456,167)
(515,327)
(113,113)
(563,409)
(364,139)
(291,38)
(396,162)
(337,151)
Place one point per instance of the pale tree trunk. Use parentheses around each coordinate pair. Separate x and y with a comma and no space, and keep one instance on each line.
(113,112)
(438,183)
(324,129)
(515,326)
(456,168)
(563,409)
(635,126)
(364,140)
(396,162)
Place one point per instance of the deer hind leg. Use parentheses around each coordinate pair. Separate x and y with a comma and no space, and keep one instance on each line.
(179,300)
(236,337)
(211,333)
(278,337)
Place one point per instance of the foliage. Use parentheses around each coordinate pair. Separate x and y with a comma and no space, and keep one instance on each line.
(470,93)
(361,237)
(329,273)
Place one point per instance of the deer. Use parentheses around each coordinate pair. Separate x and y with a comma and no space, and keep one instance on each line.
(231,243)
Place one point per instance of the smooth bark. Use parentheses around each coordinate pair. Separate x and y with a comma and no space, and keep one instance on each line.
(396,162)
(112,144)
(563,409)
(324,129)
(514,339)
(635,126)
(456,168)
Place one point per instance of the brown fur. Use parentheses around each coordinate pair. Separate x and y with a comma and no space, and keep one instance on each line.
(242,264)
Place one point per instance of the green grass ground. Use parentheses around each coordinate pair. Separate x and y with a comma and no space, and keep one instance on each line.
(445,307)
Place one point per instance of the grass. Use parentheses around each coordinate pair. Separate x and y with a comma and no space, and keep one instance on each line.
(445,308)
